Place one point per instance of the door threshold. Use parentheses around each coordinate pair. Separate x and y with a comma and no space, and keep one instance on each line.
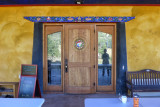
(53,92)
(106,92)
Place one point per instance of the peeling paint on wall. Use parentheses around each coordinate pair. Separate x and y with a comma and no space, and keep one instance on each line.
(16,34)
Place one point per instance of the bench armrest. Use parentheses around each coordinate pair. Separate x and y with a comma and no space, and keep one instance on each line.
(130,83)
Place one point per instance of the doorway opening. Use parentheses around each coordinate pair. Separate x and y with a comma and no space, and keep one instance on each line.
(79,58)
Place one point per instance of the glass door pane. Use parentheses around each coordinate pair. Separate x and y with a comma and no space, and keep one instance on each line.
(54,58)
(104,59)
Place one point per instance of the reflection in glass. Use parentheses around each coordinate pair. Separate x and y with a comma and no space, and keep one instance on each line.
(104,58)
(54,58)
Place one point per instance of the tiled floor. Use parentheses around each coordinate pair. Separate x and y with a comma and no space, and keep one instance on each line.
(67,100)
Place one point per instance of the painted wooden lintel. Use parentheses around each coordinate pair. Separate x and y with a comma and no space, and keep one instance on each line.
(78,19)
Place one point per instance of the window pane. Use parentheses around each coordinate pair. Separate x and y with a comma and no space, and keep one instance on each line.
(104,58)
(54,58)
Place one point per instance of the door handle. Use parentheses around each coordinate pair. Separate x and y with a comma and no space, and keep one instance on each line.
(66,65)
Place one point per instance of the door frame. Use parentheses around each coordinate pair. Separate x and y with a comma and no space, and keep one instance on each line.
(45,64)
(103,88)
(52,88)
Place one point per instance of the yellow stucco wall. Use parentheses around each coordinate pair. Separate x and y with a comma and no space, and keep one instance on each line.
(16,34)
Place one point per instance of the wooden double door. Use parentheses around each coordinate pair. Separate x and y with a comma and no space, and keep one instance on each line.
(71,63)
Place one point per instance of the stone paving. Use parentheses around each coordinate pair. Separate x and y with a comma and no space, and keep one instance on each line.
(70,100)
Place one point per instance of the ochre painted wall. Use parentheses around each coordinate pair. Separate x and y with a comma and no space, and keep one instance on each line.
(16,34)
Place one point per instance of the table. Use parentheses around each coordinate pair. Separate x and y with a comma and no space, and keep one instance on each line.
(115,102)
(14,89)
(21,102)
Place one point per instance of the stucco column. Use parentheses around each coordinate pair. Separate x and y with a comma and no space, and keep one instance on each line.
(37,54)
(121,59)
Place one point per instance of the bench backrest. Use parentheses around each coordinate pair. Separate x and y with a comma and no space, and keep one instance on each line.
(144,77)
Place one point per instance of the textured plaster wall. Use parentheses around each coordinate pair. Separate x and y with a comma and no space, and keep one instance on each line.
(16,34)
(143,39)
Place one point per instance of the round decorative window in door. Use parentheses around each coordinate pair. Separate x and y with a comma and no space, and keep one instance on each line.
(79,44)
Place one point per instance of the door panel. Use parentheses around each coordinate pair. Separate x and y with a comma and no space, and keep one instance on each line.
(79,76)
(53,72)
(80,45)
(76,55)
(105,58)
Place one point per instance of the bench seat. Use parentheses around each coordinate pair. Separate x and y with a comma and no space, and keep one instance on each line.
(146,80)
(145,88)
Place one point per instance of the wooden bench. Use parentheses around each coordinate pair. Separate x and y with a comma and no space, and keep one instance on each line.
(12,91)
(146,80)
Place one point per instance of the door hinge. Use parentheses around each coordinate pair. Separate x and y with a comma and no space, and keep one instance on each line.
(94,84)
(94,66)
(94,48)
(94,31)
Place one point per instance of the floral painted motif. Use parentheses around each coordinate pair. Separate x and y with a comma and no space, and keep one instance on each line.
(38,19)
(70,19)
(79,44)
(120,19)
(88,19)
(110,19)
(48,18)
(79,19)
